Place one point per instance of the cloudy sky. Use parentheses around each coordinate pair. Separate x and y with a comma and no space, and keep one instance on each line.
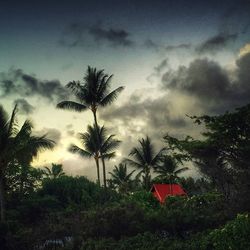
(175,58)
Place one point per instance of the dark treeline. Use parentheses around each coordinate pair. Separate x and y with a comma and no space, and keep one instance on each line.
(44,208)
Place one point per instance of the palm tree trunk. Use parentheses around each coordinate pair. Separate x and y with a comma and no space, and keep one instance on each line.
(98,171)
(2,198)
(147,178)
(103,161)
(104,173)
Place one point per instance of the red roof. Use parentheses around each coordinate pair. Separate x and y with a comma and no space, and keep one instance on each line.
(162,191)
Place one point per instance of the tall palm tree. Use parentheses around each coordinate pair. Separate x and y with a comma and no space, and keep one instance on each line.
(97,144)
(92,93)
(17,145)
(121,178)
(145,158)
(54,172)
(169,170)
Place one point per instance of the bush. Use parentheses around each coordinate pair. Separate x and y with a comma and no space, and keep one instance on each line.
(234,235)
(113,222)
(77,192)
(144,199)
(183,216)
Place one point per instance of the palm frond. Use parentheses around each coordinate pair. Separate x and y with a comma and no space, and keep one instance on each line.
(3,128)
(158,156)
(74,86)
(181,170)
(77,150)
(108,156)
(12,126)
(29,147)
(133,163)
(138,155)
(104,86)
(108,99)
(110,144)
(70,105)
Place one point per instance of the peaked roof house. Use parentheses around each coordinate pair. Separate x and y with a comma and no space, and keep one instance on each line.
(162,191)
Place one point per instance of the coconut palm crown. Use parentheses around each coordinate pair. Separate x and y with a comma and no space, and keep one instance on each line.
(145,158)
(169,169)
(121,178)
(55,171)
(93,92)
(96,144)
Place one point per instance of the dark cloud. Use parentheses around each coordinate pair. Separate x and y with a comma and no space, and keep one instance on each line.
(159,68)
(157,71)
(154,114)
(116,37)
(69,129)
(82,35)
(216,43)
(51,133)
(149,44)
(24,107)
(70,132)
(179,46)
(17,82)
(216,88)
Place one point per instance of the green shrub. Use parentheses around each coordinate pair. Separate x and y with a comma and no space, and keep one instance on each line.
(144,199)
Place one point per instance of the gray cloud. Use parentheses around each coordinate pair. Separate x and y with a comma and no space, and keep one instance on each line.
(179,46)
(154,114)
(17,82)
(82,35)
(157,71)
(24,107)
(216,89)
(159,68)
(69,129)
(150,44)
(52,134)
(116,37)
(216,43)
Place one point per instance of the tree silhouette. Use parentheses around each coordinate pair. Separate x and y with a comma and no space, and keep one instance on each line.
(90,94)
(17,145)
(121,178)
(169,170)
(54,172)
(145,158)
(97,144)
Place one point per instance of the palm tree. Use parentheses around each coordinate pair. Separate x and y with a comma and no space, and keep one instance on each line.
(93,92)
(121,178)
(169,170)
(17,145)
(145,158)
(54,172)
(97,144)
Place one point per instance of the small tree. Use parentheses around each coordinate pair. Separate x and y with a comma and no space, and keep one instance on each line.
(145,159)
(96,144)
(92,93)
(17,145)
(54,172)
(122,179)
